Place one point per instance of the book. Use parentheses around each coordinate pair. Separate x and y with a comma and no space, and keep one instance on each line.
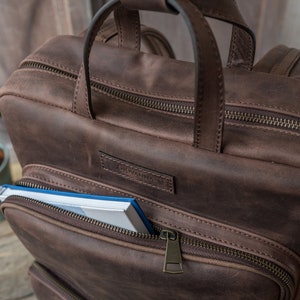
(122,212)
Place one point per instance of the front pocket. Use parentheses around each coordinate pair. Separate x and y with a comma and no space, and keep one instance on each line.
(107,262)
(47,286)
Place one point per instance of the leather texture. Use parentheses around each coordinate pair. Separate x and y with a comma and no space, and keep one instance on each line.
(148,127)
(209,95)
(280,60)
(126,270)
(242,49)
(152,41)
(47,286)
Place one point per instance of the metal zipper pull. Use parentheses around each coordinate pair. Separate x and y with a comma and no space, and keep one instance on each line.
(173,258)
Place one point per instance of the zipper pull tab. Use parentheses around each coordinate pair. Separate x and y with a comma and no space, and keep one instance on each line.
(173,258)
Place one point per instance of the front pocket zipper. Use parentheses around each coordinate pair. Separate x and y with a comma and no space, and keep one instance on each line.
(174,244)
(232,113)
(173,257)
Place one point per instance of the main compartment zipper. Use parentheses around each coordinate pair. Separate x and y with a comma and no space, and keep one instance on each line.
(175,244)
(232,113)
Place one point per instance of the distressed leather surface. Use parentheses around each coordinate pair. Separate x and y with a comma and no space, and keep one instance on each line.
(251,184)
(280,60)
(125,271)
(171,80)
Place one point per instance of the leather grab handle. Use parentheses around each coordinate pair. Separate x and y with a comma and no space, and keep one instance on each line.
(242,46)
(128,27)
(209,82)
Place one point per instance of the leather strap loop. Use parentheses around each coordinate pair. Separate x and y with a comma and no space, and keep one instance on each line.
(209,83)
(128,26)
(242,48)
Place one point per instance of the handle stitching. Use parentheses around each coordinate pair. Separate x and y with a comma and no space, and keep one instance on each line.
(200,90)
(137,28)
(220,84)
(77,89)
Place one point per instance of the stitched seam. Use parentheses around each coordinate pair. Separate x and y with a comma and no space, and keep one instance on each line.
(137,32)
(220,240)
(170,185)
(48,72)
(109,82)
(282,65)
(156,205)
(243,24)
(269,243)
(276,66)
(233,46)
(293,62)
(120,31)
(71,187)
(220,86)
(200,87)
(77,90)
(221,91)
(264,128)
(112,83)
(160,41)
(250,53)
(141,105)
(218,227)
(144,170)
(126,88)
(50,62)
(221,117)
(34,100)
(87,106)
(282,109)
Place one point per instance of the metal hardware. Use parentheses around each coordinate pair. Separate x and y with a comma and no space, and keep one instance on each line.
(173,258)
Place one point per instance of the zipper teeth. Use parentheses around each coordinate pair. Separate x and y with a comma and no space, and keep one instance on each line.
(146,101)
(149,102)
(252,259)
(44,67)
(178,108)
(271,267)
(262,119)
(175,108)
(91,221)
(81,217)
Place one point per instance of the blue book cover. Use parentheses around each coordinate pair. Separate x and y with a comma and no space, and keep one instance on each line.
(117,211)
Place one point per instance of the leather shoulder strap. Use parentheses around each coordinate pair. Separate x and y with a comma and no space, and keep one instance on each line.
(280,60)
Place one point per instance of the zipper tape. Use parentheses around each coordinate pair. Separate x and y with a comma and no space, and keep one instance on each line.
(255,117)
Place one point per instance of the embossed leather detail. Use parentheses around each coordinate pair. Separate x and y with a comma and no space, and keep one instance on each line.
(137,173)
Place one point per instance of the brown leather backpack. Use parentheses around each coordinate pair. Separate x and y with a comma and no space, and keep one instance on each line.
(211,154)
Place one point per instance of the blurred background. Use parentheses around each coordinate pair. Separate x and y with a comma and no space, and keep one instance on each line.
(27,24)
